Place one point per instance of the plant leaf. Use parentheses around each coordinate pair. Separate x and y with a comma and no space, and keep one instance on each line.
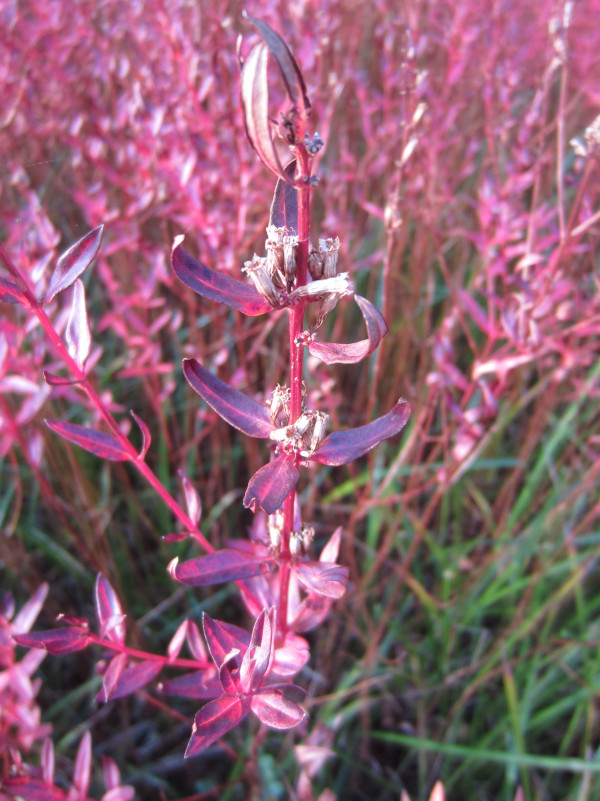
(259,654)
(201,684)
(244,413)
(270,486)
(77,335)
(284,208)
(342,447)
(273,709)
(146,436)
(254,94)
(337,353)
(10,292)
(111,676)
(222,638)
(103,445)
(192,499)
(324,578)
(54,380)
(218,567)
(109,611)
(56,641)
(74,262)
(83,766)
(216,286)
(291,657)
(214,720)
(290,71)
(134,677)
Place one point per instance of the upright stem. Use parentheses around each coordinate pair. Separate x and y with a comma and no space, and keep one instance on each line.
(296,324)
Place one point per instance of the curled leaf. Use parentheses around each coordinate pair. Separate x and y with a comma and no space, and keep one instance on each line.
(74,262)
(214,285)
(244,413)
(342,447)
(324,578)
(103,445)
(336,353)
(269,487)
(146,437)
(254,93)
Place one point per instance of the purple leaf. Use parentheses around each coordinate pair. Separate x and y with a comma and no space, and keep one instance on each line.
(228,673)
(214,720)
(56,641)
(201,684)
(58,381)
(324,578)
(111,676)
(103,445)
(28,613)
(312,612)
(291,657)
(259,654)
(109,611)
(74,262)
(254,94)
(176,642)
(273,709)
(146,437)
(216,286)
(244,413)
(77,335)
(270,486)
(221,638)
(290,71)
(284,208)
(134,677)
(83,766)
(342,447)
(335,353)
(217,568)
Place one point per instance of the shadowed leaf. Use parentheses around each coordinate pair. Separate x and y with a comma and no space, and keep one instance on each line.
(201,684)
(103,445)
(324,578)
(244,413)
(9,291)
(216,286)
(337,353)
(221,638)
(109,611)
(74,262)
(284,208)
(56,641)
(342,447)
(134,677)
(269,487)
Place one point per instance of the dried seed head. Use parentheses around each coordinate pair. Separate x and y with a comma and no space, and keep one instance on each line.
(315,265)
(257,270)
(290,246)
(300,541)
(279,402)
(275,530)
(274,247)
(329,251)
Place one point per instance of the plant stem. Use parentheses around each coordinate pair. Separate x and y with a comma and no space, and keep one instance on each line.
(296,324)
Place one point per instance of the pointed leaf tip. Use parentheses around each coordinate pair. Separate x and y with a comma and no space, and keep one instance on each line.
(74,262)
(103,445)
(269,487)
(337,353)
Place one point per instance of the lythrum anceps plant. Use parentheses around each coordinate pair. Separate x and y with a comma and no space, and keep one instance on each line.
(286,591)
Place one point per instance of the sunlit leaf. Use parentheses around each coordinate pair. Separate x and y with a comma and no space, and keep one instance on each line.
(216,568)
(74,262)
(337,353)
(269,487)
(103,445)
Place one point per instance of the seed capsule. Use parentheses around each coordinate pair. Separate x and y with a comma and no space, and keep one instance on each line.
(257,270)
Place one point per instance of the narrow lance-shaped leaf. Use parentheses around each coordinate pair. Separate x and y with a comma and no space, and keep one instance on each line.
(103,445)
(146,437)
(337,353)
(133,678)
(214,285)
(342,447)
(192,499)
(244,413)
(83,766)
(269,487)
(259,654)
(77,335)
(74,262)
(284,208)
(255,103)
(60,641)
(219,567)
(290,71)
